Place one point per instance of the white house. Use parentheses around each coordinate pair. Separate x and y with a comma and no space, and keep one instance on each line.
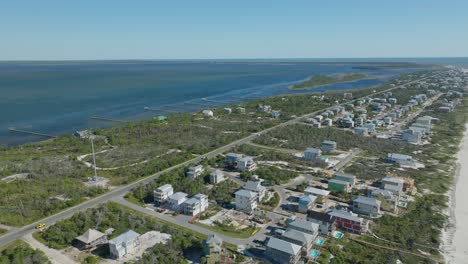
(216,177)
(246,201)
(361,131)
(393,184)
(126,243)
(162,193)
(176,200)
(403,160)
(246,164)
(313,154)
(412,136)
(367,206)
(195,205)
(256,186)
(208,113)
(275,114)
(194,172)
(328,146)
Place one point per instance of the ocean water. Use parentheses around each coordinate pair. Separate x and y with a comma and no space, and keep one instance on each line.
(61,97)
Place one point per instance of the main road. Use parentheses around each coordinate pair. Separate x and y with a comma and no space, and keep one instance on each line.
(18,233)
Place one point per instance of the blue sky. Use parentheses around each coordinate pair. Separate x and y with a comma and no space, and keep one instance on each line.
(206,29)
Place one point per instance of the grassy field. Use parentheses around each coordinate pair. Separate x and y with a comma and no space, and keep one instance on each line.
(230,231)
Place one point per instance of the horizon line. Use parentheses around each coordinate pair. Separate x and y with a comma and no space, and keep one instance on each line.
(227,59)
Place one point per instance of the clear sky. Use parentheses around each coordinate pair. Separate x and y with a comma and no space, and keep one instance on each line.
(206,29)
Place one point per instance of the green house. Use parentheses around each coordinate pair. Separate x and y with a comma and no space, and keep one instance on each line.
(339,186)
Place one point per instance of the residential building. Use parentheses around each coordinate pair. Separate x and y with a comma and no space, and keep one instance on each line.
(388,120)
(212,245)
(216,176)
(282,251)
(306,201)
(275,114)
(208,113)
(302,239)
(195,171)
(349,221)
(230,160)
(348,96)
(412,136)
(367,206)
(361,131)
(175,201)
(256,186)
(327,122)
(313,154)
(316,192)
(326,222)
(402,160)
(339,186)
(162,193)
(228,110)
(389,199)
(195,205)
(303,226)
(126,243)
(246,201)
(246,164)
(264,108)
(392,101)
(370,127)
(341,176)
(91,238)
(240,109)
(328,146)
(393,184)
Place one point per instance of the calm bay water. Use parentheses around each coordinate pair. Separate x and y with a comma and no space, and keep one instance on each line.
(60,97)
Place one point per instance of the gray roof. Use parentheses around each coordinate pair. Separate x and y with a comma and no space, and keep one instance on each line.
(178,196)
(367,200)
(128,236)
(90,236)
(399,156)
(304,238)
(393,179)
(308,198)
(303,224)
(317,191)
(329,142)
(313,150)
(192,201)
(245,193)
(165,187)
(254,186)
(339,182)
(345,215)
(284,246)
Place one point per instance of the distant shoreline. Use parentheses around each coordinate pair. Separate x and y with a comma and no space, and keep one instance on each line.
(325,80)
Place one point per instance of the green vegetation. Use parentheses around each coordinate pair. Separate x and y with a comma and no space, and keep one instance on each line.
(111,215)
(271,175)
(20,252)
(300,136)
(320,80)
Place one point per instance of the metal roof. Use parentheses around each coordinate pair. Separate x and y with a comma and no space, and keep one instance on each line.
(90,236)
(304,238)
(126,237)
(245,193)
(284,246)
(367,200)
(316,191)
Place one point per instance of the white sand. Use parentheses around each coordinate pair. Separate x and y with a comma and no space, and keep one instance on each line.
(456,236)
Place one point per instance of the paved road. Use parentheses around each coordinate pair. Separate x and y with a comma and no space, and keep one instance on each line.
(15,234)
(348,158)
(183,221)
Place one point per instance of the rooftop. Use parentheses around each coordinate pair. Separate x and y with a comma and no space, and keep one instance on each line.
(284,246)
(178,196)
(245,193)
(367,200)
(128,236)
(90,236)
(316,191)
(298,236)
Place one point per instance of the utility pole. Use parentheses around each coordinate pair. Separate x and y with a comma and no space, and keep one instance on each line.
(94,160)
